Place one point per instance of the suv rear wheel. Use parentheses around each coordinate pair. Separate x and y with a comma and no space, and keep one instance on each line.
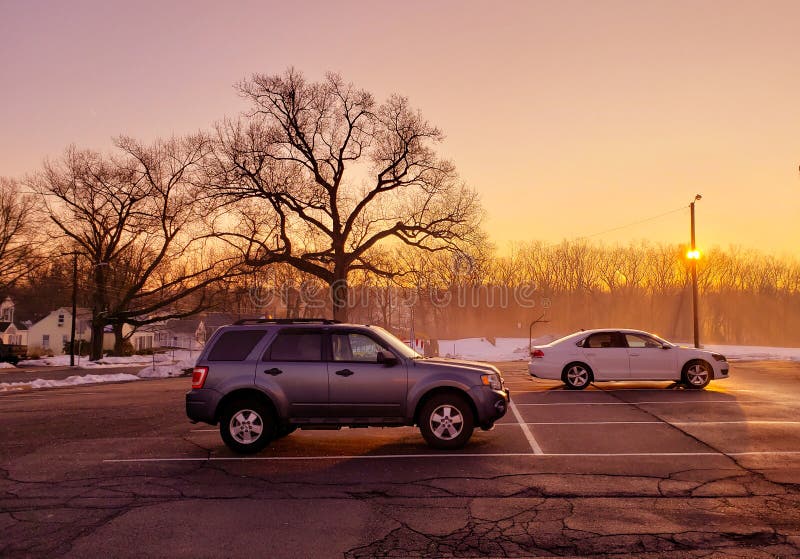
(446,421)
(247,426)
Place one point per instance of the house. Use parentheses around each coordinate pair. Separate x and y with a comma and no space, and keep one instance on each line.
(51,334)
(11,333)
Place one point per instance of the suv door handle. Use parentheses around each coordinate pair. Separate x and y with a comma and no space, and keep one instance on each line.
(273,371)
(345,373)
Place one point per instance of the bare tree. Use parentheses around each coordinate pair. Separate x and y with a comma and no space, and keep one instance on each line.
(337,176)
(18,227)
(132,217)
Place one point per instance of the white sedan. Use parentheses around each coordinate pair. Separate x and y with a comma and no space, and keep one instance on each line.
(620,354)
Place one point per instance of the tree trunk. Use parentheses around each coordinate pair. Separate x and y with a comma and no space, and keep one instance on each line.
(119,340)
(339,293)
(97,339)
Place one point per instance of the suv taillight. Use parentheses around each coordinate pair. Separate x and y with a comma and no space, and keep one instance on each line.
(537,353)
(199,375)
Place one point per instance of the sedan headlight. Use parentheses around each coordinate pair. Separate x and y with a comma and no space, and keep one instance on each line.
(493,381)
(718,357)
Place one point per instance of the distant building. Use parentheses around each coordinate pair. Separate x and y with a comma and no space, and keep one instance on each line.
(11,333)
(51,334)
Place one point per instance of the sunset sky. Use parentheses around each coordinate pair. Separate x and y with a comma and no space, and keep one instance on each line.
(571,118)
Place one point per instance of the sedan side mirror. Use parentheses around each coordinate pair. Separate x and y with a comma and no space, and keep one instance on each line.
(666,346)
(388,360)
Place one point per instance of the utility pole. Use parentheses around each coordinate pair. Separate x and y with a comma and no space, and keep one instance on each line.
(530,329)
(694,256)
(74,308)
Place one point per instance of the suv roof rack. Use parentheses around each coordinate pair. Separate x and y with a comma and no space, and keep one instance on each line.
(286,321)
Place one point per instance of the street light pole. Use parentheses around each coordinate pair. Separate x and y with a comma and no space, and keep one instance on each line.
(694,255)
(74,308)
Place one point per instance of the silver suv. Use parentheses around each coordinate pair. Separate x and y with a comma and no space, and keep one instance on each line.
(262,379)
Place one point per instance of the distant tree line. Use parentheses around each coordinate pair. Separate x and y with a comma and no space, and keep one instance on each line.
(746,297)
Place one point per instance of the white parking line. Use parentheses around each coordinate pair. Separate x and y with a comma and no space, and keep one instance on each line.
(666,402)
(526,431)
(462,455)
(745,422)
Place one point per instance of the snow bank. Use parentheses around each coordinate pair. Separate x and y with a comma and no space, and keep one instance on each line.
(74,380)
(84,363)
(4,365)
(756,353)
(166,365)
(166,370)
(489,349)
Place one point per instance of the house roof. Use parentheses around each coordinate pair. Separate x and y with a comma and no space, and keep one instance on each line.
(211,321)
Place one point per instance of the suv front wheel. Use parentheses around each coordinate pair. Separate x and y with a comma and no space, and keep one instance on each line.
(247,426)
(446,421)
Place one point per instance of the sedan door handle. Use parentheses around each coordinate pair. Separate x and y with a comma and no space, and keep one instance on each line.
(634,354)
(345,373)
(273,371)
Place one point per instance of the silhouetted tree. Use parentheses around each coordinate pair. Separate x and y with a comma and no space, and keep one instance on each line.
(19,222)
(336,175)
(132,217)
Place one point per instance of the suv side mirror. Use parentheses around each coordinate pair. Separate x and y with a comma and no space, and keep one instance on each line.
(388,360)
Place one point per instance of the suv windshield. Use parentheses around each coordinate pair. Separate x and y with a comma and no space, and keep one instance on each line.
(395,344)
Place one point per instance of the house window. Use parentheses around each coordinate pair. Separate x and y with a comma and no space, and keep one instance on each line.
(61,320)
(45,341)
(143,343)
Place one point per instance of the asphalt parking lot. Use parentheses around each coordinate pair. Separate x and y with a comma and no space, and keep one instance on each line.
(617,470)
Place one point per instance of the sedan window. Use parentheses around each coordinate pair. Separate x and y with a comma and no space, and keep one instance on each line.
(601,339)
(641,341)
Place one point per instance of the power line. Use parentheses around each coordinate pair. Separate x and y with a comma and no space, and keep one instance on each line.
(682,208)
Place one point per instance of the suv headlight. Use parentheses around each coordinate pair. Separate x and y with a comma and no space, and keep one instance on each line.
(492,381)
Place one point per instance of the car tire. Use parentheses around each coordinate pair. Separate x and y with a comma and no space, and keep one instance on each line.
(247,426)
(446,421)
(696,374)
(577,376)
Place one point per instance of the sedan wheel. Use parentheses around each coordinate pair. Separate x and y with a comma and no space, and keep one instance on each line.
(696,375)
(577,376)
(446,421)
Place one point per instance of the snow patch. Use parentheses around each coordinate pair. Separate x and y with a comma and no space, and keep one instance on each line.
(74,380)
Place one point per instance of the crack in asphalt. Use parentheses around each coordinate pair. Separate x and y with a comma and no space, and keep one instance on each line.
(549,524)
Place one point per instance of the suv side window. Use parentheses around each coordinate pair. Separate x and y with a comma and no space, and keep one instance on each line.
(355,347)
(295,345)
(235,345)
